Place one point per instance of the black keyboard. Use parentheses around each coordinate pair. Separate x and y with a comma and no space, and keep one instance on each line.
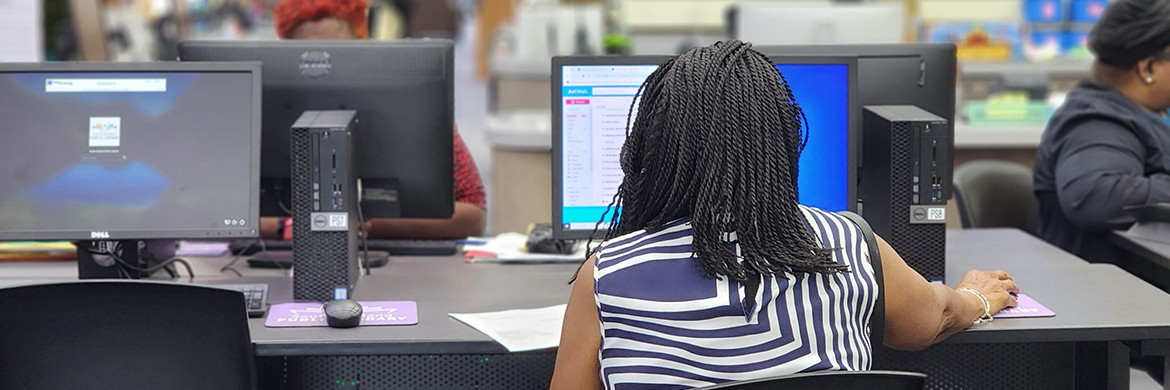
(255,296)
(394,247)
(378,259)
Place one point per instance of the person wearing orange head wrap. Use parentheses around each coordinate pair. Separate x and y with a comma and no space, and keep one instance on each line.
(322,19)
(347,19)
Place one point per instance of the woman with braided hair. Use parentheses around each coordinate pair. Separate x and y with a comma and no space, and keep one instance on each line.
(714,272)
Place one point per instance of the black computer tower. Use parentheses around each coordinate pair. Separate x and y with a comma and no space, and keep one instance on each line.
(324,198)
(904,183)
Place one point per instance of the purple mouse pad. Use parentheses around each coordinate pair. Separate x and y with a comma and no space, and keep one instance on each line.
(1028,308)
(306,314)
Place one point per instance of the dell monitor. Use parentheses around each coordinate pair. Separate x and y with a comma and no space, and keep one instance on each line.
(403,92)
(592,97)
(129,151)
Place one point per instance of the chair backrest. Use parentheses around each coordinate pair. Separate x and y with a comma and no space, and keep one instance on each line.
(993,193)
(124,335)
(834,380)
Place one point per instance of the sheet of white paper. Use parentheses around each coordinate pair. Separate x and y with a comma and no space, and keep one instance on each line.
(534,258)
(519,330)
(20,31)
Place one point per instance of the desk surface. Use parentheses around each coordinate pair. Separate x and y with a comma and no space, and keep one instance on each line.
(1153,251)
(1092,302)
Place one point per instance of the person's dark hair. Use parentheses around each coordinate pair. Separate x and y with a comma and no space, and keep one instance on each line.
(1130,31)
(717,138)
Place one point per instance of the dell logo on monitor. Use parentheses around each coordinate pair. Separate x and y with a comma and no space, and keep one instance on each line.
(99,234)
(315,64)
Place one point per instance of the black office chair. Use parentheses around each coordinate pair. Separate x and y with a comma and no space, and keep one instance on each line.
(993,193)
(834,380)
(124,335)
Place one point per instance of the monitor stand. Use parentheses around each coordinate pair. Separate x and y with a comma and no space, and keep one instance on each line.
(93,264)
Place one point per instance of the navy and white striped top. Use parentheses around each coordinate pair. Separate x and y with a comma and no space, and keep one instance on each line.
(664,325)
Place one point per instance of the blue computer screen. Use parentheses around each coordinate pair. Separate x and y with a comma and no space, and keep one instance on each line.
(595,106)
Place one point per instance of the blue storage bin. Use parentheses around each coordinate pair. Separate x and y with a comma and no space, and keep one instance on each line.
(1086,11)
(1046,38)
(1044,11)
(1074,40)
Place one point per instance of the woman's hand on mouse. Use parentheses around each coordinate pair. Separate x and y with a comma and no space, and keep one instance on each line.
(997,286)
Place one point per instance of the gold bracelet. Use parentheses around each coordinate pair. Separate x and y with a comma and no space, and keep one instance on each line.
(986,306)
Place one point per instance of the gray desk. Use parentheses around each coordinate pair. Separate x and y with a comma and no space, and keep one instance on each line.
(1148,258)
(1091,300)
(1102,312)
(1155,251)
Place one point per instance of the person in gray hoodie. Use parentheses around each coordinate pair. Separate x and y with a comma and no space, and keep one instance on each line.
(1108,146)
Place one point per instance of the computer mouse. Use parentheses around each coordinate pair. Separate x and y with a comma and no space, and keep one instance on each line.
(343,314)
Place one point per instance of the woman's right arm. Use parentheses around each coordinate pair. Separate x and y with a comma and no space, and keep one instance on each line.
(920,313)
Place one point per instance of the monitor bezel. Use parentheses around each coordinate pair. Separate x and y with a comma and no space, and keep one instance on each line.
(558,64)
(252,68)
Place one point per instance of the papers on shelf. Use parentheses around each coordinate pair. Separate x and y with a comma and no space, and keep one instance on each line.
(509,248)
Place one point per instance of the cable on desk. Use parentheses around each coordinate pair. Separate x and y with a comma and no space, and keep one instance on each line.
(229,265)
(238,274)
(151,270)
(149,257)
(280,201)
(115,253)
(112,253)
(172,272)
(264,249)
(122,274)
(185,265)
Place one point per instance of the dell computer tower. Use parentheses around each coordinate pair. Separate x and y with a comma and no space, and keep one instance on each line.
(324,189)
(904,183)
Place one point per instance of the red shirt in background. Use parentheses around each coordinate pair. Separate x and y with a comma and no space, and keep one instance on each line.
(468,185)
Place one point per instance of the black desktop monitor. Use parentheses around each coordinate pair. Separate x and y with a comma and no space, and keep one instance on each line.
(129,151)
(591,103)
(403,92)
(920,75)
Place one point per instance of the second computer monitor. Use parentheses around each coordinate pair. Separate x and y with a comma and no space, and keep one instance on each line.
(129,151)
(920,75)
(403,92)
(917,74)
(591,104)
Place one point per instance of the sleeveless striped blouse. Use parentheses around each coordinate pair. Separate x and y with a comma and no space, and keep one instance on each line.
(665,326)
